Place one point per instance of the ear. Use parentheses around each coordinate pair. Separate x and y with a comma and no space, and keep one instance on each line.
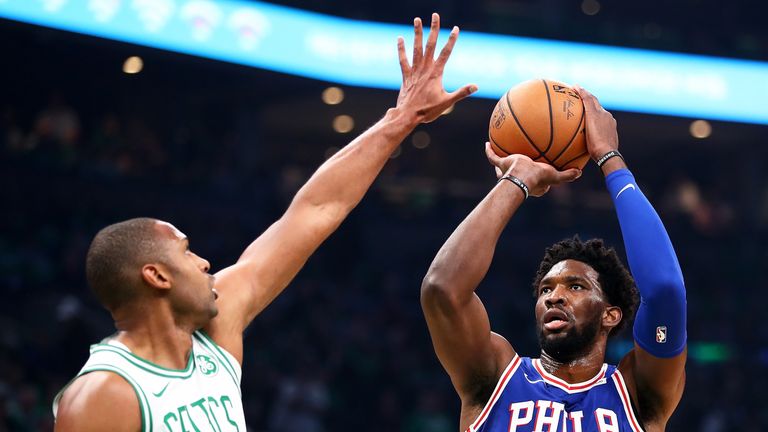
(156,276)
(612,317)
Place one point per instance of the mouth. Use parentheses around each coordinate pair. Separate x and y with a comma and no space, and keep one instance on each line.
(212,282)
(555,319)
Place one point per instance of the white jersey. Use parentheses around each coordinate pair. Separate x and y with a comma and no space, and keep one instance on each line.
(205,396)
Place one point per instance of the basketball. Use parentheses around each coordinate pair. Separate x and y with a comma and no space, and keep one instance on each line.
(542,119)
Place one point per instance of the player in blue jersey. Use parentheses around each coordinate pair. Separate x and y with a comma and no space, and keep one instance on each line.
(174,364)
(583,296)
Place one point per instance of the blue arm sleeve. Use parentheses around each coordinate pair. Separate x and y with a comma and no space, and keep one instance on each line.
(660,324)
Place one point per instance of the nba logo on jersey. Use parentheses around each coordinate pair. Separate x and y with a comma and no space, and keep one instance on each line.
(661,334)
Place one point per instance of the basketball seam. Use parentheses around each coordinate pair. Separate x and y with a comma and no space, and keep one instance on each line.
(551,120)
(493,141)
(573,159)
(576,132)
(530,141)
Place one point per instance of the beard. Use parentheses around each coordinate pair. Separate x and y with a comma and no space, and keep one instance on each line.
(568,347)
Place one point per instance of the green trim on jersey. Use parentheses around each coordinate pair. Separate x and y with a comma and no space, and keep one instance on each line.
(146,365)
(146,426)
(218,349)
(225,363)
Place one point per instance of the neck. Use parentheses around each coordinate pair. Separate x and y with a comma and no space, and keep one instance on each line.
(579,369)
(153,334)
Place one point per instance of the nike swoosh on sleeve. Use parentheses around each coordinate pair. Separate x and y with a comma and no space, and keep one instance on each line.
(629,186)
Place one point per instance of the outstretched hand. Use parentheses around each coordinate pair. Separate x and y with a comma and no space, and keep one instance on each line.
(538,176)
(600,126)
(422,89)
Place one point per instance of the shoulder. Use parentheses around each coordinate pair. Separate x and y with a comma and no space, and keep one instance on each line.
(506,362)
(99,401)
(655,387)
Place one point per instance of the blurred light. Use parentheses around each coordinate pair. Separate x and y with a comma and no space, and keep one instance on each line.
(343,123)
(619,348)
(590,7)
(333,95)
(709,352)
(420,139)
(133,65)
(396,153)
(448,110)
(331,151)
(701,129)
(628,79)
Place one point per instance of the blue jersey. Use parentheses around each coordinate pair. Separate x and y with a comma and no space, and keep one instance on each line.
(529,399)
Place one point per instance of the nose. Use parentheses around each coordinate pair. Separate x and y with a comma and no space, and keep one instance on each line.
(556,296)
(204,264)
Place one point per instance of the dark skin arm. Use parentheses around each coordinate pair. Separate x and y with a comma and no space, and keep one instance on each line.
(655,384)
(470,352)
(272,260)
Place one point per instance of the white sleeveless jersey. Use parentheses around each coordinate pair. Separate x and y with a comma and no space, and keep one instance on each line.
(205,396)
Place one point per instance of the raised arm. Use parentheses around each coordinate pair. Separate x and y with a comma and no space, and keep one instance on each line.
(657,364)
(272,260)
(473,356)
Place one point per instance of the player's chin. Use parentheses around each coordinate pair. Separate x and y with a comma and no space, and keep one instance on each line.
(554,333)
(213,310)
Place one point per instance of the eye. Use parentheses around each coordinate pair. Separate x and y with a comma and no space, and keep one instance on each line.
(577,287)
(545,290)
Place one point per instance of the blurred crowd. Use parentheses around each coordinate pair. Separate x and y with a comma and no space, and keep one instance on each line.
(345,347)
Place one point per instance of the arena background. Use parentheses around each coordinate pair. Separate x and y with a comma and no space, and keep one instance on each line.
(219,149)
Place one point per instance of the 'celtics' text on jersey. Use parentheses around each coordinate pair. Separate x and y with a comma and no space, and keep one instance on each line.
(205,396)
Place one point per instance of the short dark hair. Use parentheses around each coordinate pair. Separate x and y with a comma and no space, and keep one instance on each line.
(614,278)
(115,256)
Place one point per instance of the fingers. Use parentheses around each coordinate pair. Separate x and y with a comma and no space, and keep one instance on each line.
(461,93)
(556,177)
(493,158)
(591,104)
(445,53)
(434,31)
(569,175)
(417,43)
(405,68)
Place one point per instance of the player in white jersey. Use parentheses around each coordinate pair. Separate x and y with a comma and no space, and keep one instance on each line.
(583,295)
(174,363)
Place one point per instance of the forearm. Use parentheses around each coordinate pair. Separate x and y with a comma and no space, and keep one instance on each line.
(341,182)
(653,264)
(465,257)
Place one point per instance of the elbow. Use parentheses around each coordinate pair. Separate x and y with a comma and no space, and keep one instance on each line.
(435,292)
(324,214)
(669,290)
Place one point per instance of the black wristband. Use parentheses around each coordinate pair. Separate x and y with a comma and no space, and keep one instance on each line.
(516,181)
(604,158)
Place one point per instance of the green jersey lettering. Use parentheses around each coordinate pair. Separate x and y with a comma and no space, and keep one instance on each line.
(168,417)
(200,403)
(225,399)
(182,411)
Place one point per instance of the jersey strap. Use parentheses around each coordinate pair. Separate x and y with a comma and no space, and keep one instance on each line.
(621,388)
(505,377)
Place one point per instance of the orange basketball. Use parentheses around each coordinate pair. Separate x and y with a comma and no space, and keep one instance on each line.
(542,119)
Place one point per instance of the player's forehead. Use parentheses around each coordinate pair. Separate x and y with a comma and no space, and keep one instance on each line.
(571,271)
(167,230)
